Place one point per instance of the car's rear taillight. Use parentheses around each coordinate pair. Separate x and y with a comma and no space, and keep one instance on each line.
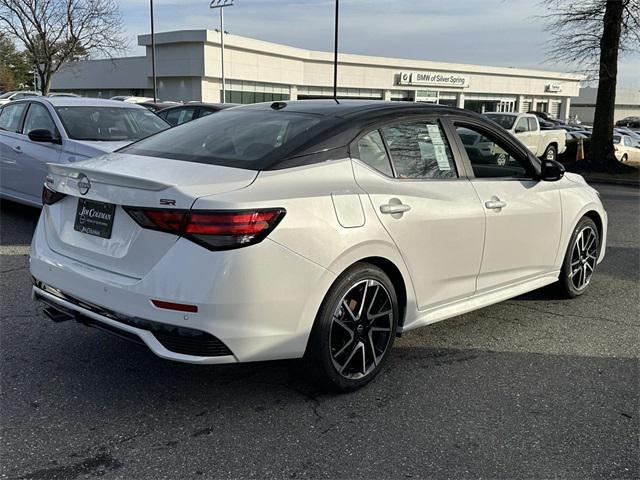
(215,230)
(49,196)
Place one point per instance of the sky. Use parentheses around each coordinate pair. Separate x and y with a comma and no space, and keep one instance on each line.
(483,32)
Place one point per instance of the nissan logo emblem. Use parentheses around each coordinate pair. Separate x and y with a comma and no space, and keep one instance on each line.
(83,184)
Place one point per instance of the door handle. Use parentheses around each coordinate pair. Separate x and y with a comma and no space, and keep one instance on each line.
(391,208)
(17,148)
(495,204)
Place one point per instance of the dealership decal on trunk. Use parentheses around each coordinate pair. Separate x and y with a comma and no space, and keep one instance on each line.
(94,218)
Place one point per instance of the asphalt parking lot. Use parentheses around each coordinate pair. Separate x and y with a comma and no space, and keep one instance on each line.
(536,387)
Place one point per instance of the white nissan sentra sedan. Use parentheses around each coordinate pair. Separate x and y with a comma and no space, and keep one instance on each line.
(309,228)
(41,130)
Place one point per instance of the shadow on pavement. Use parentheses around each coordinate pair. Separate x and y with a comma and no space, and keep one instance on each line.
(445,412)
(17,223)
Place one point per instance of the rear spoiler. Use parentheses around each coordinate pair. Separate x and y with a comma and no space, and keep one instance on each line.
(107,178)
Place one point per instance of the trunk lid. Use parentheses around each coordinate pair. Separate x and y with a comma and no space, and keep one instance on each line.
(134,181)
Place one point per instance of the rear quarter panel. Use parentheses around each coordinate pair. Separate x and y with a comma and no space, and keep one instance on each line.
(314,227)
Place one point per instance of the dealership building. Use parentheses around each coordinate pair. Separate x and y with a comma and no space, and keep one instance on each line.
(188,68)
(627,104)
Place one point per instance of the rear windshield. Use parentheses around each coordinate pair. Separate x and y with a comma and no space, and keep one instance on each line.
(109,124)
(505,121)
(243,138)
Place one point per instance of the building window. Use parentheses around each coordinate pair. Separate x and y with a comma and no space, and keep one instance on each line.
(449,102)
(235,96)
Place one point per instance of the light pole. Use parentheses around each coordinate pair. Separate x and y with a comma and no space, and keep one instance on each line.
(335,54)
(153,57)
(220,4)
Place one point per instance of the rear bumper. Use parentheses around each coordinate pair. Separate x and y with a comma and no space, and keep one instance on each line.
(259,302)
(157,338)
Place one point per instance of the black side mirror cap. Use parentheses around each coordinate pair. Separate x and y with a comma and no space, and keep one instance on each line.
(552,171)
(42,135)
(520,130)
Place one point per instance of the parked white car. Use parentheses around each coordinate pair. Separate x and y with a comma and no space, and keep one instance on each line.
(525,127)
(64,130)
(307,228)
(11,96)
(626,149)
(131,99)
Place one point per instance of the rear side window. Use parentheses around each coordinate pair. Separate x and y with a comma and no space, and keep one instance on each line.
(178,116)
(419,150)
(237,138)
(205,111)
(522,125)
(11,116)
(532,125)
(372,152)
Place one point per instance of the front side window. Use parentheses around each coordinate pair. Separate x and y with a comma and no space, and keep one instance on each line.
(109,124)
(627,142)
(419,150)
(11,116)
(490,157)
(372,152)
(38,118)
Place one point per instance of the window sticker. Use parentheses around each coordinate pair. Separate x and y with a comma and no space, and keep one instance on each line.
(439,148)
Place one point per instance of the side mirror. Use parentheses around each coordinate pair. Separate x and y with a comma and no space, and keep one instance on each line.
(552,171)
(520,129)
(42,135)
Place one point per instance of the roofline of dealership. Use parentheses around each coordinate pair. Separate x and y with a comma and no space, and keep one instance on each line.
(251,44)
(188,68)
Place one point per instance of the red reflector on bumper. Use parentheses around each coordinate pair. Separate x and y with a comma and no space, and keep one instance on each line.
(180,307)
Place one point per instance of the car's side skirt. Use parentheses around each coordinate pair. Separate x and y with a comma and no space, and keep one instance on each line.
(476,302)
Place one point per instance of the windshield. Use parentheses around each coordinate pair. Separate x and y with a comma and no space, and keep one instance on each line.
(7,95)
(236,138)
(109,124)
(505,121)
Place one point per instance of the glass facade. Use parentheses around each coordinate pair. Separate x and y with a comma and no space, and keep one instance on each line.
(235,96)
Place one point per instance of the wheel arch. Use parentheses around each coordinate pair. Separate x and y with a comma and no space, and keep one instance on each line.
(395,275)
(597,219)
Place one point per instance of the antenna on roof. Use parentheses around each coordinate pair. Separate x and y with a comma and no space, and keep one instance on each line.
(335,55)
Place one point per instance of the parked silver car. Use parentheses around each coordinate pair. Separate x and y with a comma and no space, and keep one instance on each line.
(42,130)
(7,97)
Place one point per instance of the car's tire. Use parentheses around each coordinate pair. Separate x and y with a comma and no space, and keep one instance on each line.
(624,158)
(580,259)
(551,153)
(353,331)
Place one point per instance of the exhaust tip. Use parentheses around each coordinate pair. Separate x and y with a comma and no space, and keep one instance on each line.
(56,315)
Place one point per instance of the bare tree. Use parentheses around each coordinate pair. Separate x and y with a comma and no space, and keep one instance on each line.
(57,31)
(592,35)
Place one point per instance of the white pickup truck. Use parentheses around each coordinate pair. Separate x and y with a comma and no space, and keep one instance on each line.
(542,143)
